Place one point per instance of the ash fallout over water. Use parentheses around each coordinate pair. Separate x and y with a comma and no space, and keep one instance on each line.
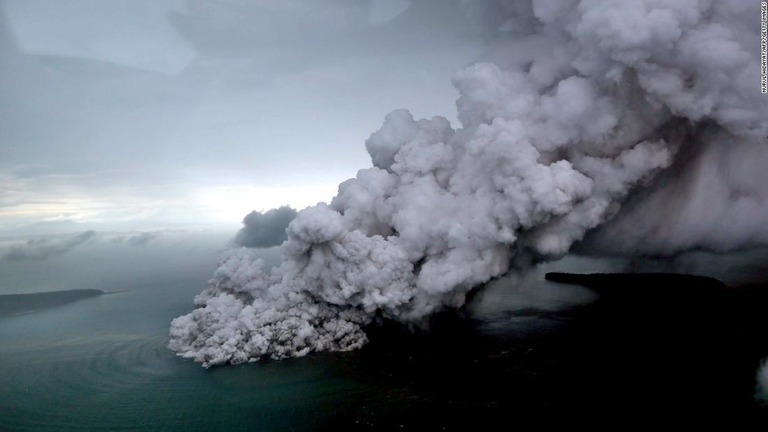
(578,108)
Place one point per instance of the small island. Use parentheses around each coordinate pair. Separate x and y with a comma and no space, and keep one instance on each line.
(11,304)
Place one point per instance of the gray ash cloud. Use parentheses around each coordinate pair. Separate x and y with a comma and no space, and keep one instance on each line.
(564,122)
(262,230)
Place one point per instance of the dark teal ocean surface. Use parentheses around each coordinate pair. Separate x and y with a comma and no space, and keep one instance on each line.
(102,363)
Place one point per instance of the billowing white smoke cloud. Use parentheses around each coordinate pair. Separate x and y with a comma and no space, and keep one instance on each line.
(555,134)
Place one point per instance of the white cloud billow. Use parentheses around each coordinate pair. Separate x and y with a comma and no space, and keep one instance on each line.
(555,134)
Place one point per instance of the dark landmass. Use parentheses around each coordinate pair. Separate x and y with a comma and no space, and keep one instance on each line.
(653,349)
(19,303)
(606,282)
(668,298)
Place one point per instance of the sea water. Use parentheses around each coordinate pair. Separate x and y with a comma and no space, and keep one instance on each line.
(102,363)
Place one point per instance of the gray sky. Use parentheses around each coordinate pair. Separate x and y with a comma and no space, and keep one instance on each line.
(144,114)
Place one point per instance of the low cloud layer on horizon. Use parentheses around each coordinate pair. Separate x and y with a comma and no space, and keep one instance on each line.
(44,248)
(55,245)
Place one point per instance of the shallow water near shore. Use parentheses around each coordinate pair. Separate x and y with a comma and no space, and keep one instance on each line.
(523,349)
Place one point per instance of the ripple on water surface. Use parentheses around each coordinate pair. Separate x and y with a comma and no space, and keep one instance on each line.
(75,369)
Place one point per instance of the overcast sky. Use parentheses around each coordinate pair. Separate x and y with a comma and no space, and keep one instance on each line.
(148,114)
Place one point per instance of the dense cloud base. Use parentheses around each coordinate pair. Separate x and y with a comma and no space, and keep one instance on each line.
(585,107)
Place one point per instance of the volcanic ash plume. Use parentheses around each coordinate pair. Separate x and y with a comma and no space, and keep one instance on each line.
(566,123)
(262,230)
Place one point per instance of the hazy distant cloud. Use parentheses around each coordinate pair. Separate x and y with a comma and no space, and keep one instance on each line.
(265,229)
(141,239)
(137,240)
(40,249)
